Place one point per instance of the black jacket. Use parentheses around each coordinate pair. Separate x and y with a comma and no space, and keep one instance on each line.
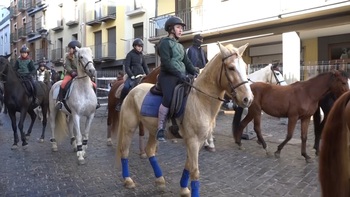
(135,64)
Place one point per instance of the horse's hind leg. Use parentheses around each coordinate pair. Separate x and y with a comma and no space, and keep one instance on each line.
(141,141)
(292,121)
(304,129)
(20,127)
(257,129)
(242,125)
(44,123)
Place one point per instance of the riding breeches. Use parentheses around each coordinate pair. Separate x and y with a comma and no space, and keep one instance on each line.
(167,84)
(67,78)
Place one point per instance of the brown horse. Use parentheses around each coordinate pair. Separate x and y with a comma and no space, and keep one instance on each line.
(296,101)
(113,115)
(334,170)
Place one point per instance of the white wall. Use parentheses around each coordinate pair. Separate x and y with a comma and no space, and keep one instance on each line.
(5,31)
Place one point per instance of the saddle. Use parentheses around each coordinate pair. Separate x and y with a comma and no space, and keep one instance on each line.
(29,87)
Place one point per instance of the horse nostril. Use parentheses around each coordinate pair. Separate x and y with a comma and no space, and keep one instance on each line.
(245,100)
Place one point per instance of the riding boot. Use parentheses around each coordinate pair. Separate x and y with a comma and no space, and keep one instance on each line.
(121,99)
(162,117)
(59,103)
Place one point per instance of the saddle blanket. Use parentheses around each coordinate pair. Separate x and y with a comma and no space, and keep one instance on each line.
(150,105)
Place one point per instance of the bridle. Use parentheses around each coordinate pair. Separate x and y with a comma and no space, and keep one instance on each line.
(274,74)
(84,66)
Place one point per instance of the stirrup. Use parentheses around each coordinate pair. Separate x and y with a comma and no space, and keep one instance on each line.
(160,136)
(58,105)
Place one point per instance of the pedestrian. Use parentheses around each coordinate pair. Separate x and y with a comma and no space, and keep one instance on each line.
(173,68)
(40,73)
(70,65)
(196,53)
(135,65)
(24,66)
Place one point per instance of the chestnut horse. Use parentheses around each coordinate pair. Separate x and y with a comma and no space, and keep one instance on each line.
(226,72)
(334,170)
(296,101)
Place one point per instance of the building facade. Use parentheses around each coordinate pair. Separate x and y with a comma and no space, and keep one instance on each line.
(5,31)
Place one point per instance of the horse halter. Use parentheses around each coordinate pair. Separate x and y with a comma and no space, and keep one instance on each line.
(233,87)
(84,66)
(274,74)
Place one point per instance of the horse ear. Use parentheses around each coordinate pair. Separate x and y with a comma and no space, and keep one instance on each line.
(242,49)
(224,51)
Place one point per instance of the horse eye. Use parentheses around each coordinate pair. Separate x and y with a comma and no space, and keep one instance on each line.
(277,74)
(232,68)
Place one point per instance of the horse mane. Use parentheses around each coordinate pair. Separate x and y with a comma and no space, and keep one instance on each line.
(334,155)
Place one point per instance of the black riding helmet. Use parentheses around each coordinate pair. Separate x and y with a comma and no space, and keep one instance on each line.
(24,49)
(174,20)
(137,42)
(73,44)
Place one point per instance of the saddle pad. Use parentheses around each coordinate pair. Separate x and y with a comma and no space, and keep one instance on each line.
(119,91)
(150,105)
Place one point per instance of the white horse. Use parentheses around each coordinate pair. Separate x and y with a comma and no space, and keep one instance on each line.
(269,74)
(226,72)
(81,101)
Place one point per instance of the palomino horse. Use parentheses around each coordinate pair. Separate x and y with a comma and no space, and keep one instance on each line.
(334,161)
(81,102)
(113,115)
(17,100)
(226,72)
(296,101)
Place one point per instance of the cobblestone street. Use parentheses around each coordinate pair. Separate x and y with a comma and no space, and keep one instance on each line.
(37,171)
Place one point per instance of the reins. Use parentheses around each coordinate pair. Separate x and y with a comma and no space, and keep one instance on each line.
(233,93)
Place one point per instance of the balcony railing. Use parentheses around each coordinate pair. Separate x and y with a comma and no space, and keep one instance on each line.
(13,12)
(22,32)
(57,55)
(40,24)
(30,29)
(30,5)
(108,13)
(14,37)
(22,5)
(59,25)
(40,54)
(156,24)
(105,51)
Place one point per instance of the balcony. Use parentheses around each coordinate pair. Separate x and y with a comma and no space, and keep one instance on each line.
(40,24)
(22,5)
(13,12)
(108,13)
(30,30)
(14,37)
(104,52)
(156,24)
(22,34)
(59,26)
(93,18)
(30,5)
(57,55)
(40,55)
(40,2)
(73,22)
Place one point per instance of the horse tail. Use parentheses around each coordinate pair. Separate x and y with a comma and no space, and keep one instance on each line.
(334,155)
(236,120)
(61,129)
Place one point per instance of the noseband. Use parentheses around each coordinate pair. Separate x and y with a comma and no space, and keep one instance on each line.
(233,87)
(84,66)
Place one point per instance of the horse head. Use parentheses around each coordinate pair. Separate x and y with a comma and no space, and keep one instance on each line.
(235,78)
(339,82)
(4,63)
(85,60)
(276,75)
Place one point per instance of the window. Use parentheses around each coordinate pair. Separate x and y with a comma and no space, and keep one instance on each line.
(24,20)
(138,30)
(5,40)
(137,4)
(15,26)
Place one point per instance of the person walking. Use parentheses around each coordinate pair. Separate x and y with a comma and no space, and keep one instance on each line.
(135,65)
(24,66)
(173,68)
(196,54)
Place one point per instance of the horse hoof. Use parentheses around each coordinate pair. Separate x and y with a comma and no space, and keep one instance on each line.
(27,137)
(209,149)
(277,155)
(54,149)
(185,192)
(75,149)
(41,140)
(241,148)
(309,160)
(129,183)
(160,183)
(109,142)
(174,141)
(14,147)
(25,147)
(143,156)
(82,162)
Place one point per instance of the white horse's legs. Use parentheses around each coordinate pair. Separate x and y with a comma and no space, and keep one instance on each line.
(72,133)
(209,143)
(52,117)
(76,119)
(86,133)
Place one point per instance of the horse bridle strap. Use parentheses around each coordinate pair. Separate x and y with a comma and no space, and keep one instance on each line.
(274,74)
(194,87)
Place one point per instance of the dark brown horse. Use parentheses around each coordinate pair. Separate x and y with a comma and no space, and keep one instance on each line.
(334,165)
(296,101)
(113,115)
(17,100)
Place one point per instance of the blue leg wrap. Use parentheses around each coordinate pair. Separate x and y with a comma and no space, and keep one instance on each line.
(184,178)
(125,167)
(157,171)
(195,188)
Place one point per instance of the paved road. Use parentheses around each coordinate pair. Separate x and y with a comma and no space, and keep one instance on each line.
(228,172)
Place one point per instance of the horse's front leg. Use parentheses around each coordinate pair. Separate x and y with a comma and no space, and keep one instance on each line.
(32,115)
(257,129)
(304,129)
(191,169)
(14,128)
(44,122)
(20,127)
(79,139)
(292,121)
(71,128)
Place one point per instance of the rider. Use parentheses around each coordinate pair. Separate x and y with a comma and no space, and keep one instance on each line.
(24,66)
(173,68)
(70,64)
(135,65)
